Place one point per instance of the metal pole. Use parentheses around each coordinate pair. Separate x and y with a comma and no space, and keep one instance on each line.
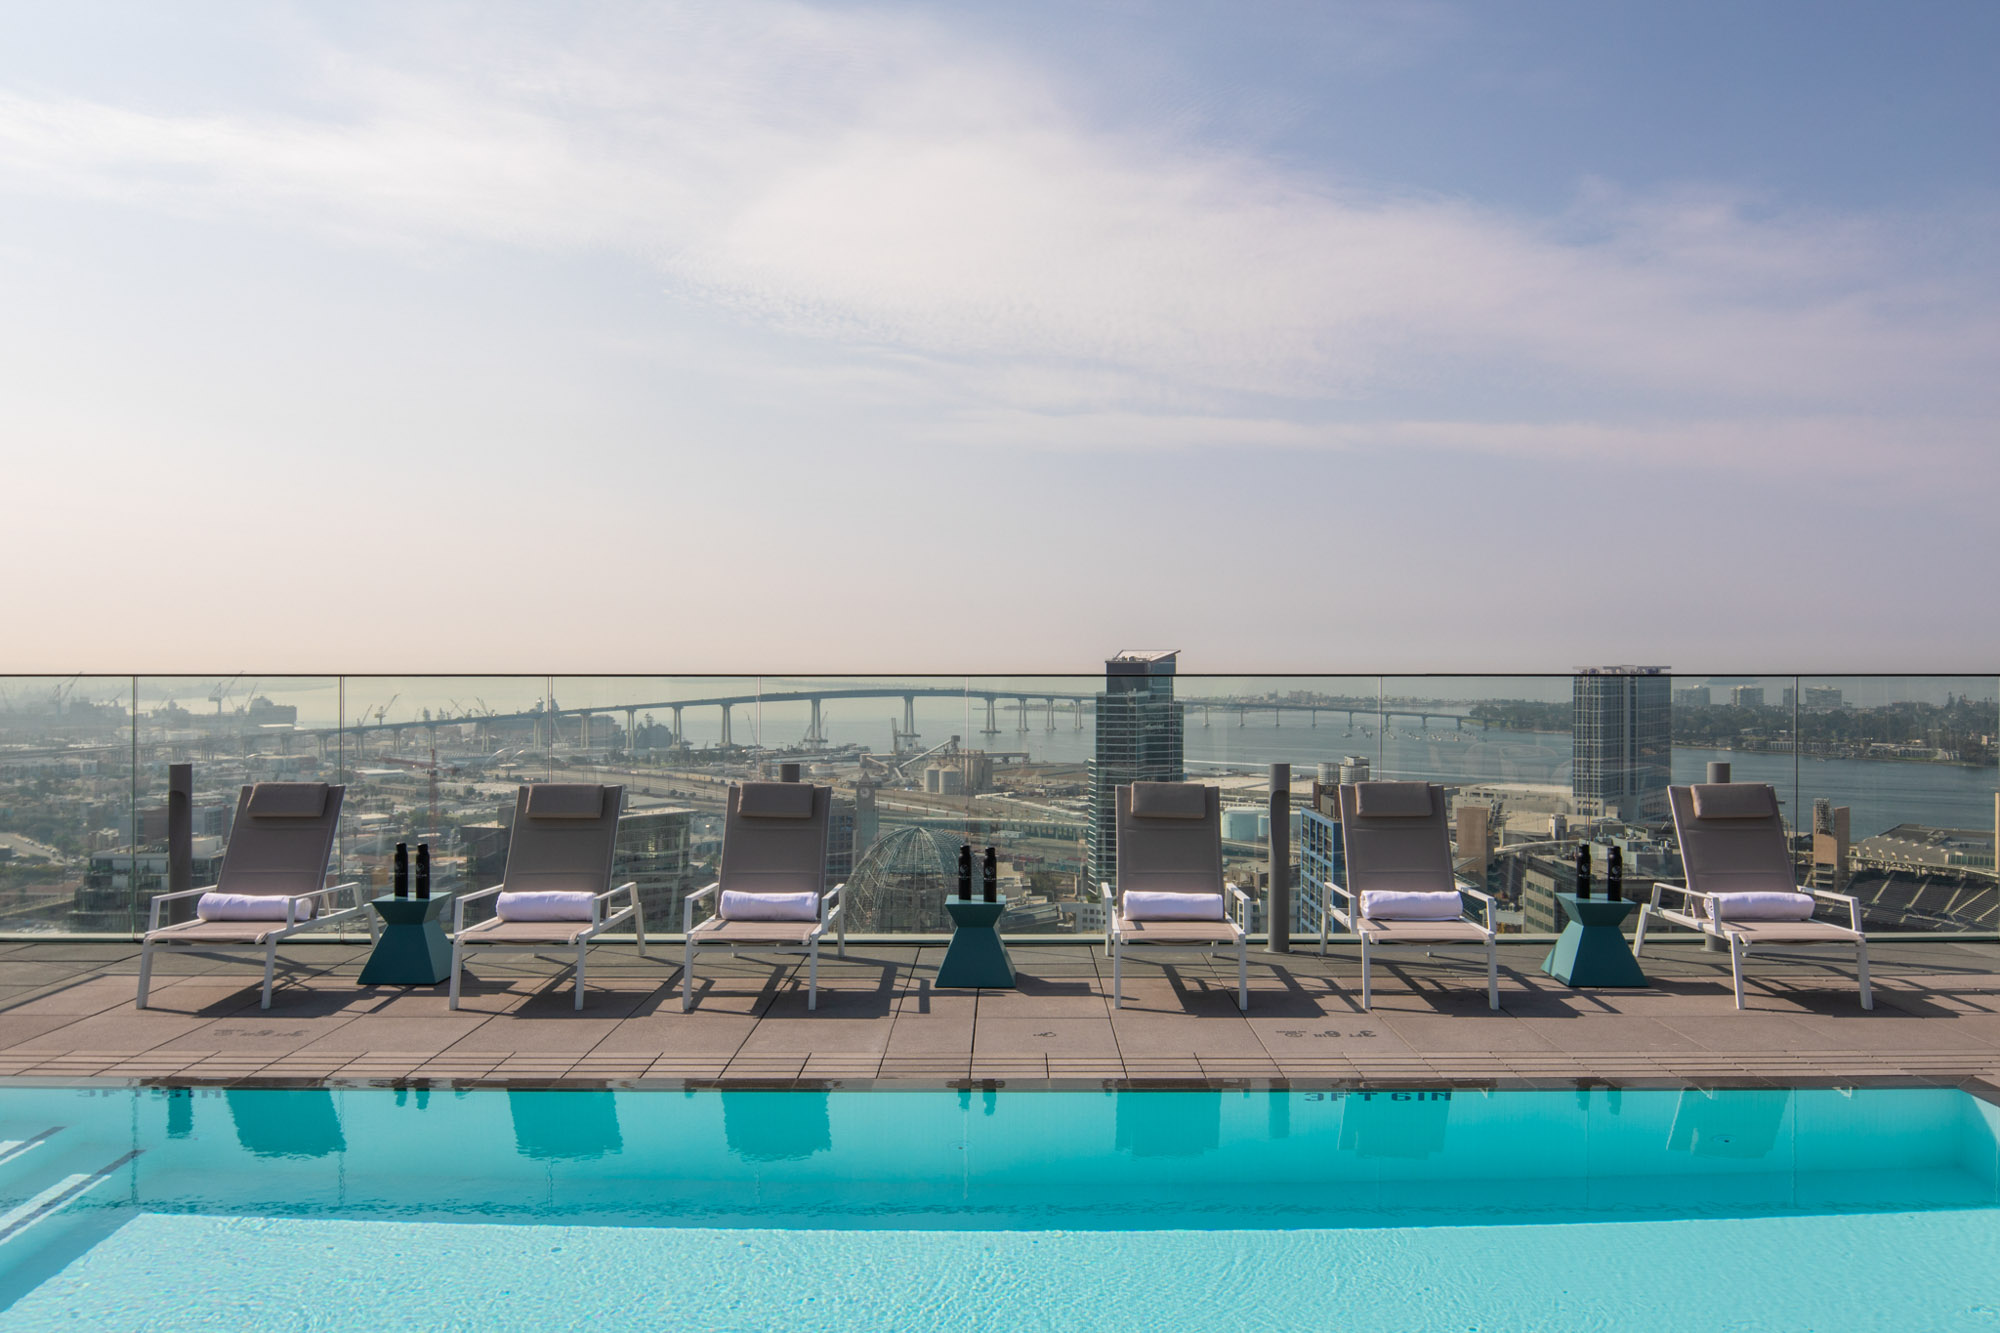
(1278,901)
(180,839)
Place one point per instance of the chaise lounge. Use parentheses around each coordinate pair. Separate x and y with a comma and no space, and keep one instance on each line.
(769,896)
(1170,892)
(557,891)
(1741,888)
(272,885)
(1400,886)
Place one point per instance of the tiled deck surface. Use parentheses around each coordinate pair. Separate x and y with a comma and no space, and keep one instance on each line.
(66,1014)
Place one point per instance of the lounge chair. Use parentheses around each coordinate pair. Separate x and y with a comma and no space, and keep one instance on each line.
(1170,891)
(557,892)
(1400,887)
(769,897)
(1741,888)
(272,885)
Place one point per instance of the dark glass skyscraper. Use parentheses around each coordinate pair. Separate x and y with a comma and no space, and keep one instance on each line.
(1139,739)
(1621,741)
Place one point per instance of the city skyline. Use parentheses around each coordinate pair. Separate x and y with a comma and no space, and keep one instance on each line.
(436,298)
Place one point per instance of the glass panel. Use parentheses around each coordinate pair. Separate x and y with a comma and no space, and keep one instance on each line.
(1900,797)
(436,760)
(66,858)
(231,730)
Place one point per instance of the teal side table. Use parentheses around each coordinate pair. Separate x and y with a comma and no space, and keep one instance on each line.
(1592,950)
(413,950)
(976,957)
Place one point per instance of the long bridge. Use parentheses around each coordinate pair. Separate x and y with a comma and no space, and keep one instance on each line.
(1050,703)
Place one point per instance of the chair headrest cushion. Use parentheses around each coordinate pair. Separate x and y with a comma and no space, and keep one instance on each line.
(776,800)
(565,800)
(287,800)
(1734,800)
(1393,800)
(1169,800)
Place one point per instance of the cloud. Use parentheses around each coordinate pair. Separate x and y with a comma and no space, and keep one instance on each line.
(877,183)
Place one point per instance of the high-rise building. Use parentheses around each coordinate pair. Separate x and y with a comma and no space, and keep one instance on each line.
(1747,696)
(1822,698)
(1830,845)
(1694,696)
(1139,739)
(1621,742)
(1322,857)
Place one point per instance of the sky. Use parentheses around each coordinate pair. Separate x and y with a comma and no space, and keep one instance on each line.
(801,339)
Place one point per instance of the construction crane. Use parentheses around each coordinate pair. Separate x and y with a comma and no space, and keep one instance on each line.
(221,692)
(61,692)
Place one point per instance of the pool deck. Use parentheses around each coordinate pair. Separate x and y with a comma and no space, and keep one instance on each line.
(66,1015)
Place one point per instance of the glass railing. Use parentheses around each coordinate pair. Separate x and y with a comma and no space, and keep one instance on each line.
(1888,783)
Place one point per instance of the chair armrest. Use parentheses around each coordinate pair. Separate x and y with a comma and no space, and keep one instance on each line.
(599,902)
(1242,904)
(687,905)
(1484,897)
(153,913)
(458,905)
(1847,900)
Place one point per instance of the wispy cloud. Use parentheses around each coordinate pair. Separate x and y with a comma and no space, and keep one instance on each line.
(875,183)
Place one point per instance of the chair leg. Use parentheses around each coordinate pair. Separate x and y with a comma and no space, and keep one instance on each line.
(1243,976)
(582,951)
(812,977)
(270,969)
(639,926)
(1492,974)
(687,976)
(1367,990)
(1117,973)
(1639,936)
(1861,973)
(145,972)
(1736,966)
(457,966)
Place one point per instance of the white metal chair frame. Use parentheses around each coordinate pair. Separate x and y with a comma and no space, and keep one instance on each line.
(832,916)
(1694,916)
(1347,920)
(1235,914)
(465,939)
(278,934)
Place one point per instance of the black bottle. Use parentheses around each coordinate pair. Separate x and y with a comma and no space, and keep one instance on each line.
(1583,870)
(402,870)
(1614,874)
(965,872)
(423,870)
(990,878)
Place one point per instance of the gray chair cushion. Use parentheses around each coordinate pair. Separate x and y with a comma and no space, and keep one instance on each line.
(287,800)
(1169,800)
(565,800)
(1734,800)
(776,800)
(1393,800)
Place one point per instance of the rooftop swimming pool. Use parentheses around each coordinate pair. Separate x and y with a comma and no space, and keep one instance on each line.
(371,1209)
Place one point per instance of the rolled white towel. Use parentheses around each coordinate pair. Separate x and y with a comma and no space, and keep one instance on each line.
(736,905)
(1152,905)
(544,905)
(1398,905)
(250,907)
(1761,906)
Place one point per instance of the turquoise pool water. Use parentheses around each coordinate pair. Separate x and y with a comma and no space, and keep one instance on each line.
(367,1209)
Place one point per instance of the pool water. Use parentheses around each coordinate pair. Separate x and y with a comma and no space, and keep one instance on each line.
(370,1209)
